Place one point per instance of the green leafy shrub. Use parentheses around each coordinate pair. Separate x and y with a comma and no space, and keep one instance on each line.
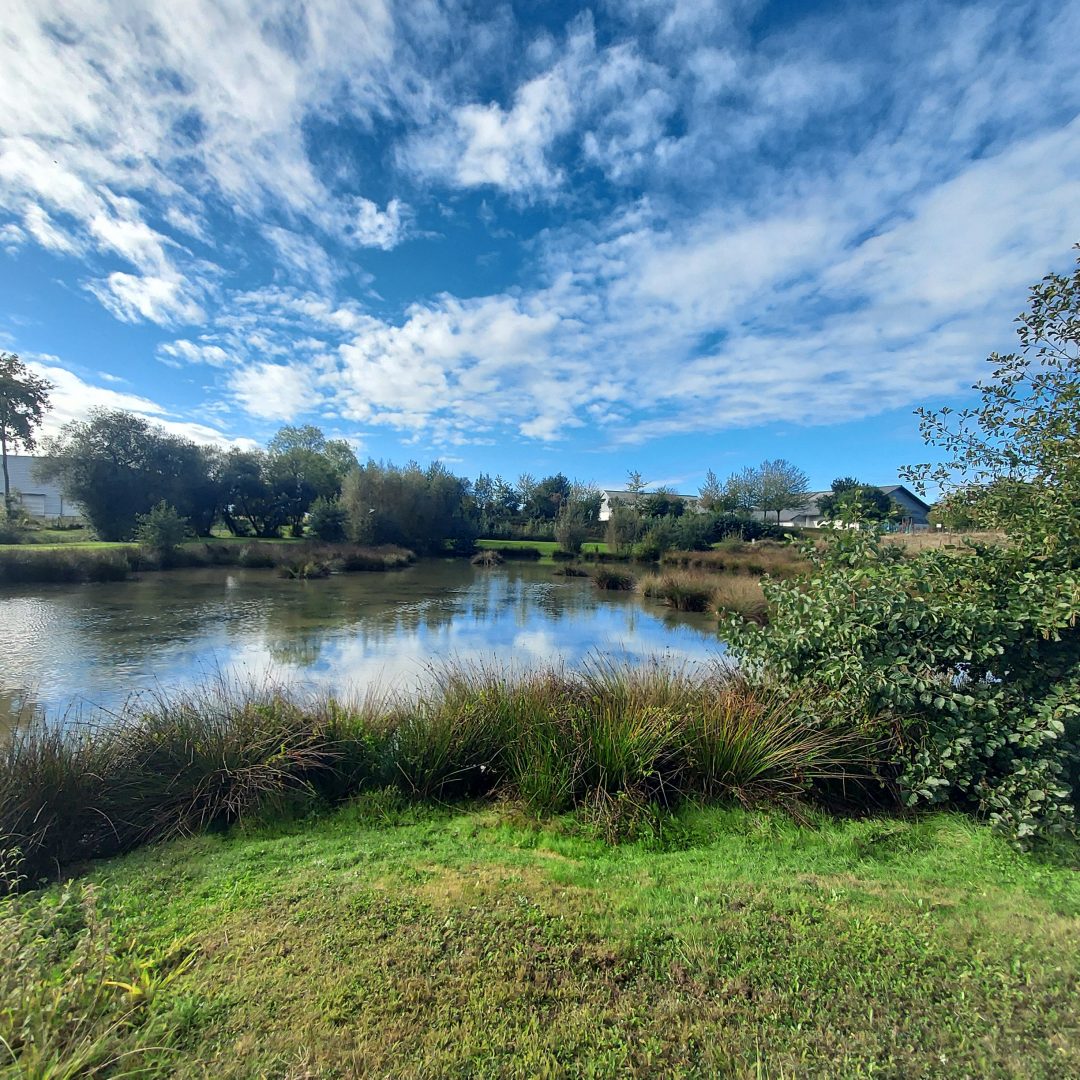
(11,531)
(161,531)
(655,541)
(970,658)
(327,520)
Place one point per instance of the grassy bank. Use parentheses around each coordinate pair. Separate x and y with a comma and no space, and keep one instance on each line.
(399,940)
(534,549)
(115,562)
(617,740)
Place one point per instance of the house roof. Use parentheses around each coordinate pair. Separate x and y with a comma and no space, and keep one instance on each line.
(612,494)
(811,507)
(890,488)
(808,508)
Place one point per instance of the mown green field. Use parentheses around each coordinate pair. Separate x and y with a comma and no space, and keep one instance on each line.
(545,547)
(77,538)
(390,939)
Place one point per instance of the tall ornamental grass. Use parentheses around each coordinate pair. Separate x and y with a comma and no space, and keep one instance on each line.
(554,739)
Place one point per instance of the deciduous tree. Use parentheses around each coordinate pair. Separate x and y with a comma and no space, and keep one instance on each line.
(24,400)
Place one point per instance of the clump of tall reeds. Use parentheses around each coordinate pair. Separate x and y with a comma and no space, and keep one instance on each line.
(31,565)
(69,564)
(618,580)
(724,594)
(744,596)
(606,735)
(682,590)
(778,560)
(352,559)
(516,551)
(303,569)
(487,557)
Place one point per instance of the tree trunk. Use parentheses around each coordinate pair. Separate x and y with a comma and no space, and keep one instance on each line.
(7,479)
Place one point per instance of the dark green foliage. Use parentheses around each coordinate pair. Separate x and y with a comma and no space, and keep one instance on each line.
(661,503)
(497,503)
(161,531)
(658,538)
(970,660)
(544,499)
(11,532)
(118,466)
(302,466)
(24,400)
(573,524)
(327,520)
(853,501)
(425,509)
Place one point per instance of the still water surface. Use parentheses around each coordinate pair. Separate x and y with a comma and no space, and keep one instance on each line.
(92,646)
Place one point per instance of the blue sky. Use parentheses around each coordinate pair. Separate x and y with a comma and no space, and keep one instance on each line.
(666,236)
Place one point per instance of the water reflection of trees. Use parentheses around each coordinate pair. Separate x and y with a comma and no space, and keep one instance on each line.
(104,640)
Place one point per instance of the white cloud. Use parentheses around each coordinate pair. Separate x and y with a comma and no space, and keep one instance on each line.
(195,353)
(72,398)
(507,148)
(372,227)
(303,257)
(275,391)
(151,107)
(42,228)
(826,220)
(131,298)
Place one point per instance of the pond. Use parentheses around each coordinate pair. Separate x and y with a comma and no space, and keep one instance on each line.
(76,649)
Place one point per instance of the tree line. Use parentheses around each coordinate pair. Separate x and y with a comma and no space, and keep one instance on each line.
(118,467)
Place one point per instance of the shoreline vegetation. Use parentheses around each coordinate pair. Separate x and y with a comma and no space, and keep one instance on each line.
(75,564)
(623,742)
(720,581)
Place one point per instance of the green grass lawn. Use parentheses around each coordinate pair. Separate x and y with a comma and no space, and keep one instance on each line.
(390,940)
(545,547)
(65,538)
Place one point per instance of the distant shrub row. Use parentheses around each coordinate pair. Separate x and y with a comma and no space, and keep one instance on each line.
(78,564)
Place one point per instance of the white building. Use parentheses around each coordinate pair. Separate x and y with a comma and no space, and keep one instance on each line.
(39,498)
(911,510)
(609,498)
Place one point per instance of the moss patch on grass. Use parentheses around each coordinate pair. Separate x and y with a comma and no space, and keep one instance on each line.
(390,939)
